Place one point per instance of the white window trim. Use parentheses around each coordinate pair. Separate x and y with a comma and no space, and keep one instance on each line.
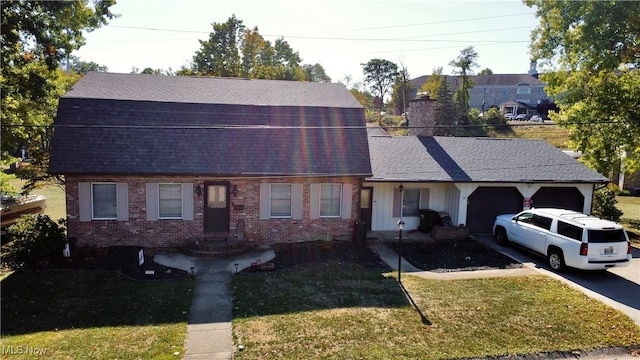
(93,217)
(290,216)
(320,203)
(160,217)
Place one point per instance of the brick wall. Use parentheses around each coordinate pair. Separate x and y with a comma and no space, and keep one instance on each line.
(244,206)
(422,116)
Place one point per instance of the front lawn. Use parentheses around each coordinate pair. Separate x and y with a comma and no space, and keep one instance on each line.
(94,315)
(340,310)
(630,206)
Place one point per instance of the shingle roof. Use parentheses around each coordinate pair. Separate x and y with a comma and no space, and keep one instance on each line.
(131,135)
(210,90)
(462,159)
(483,80)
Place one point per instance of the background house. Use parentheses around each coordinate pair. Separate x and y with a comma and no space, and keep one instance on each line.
(515,93)
(154,160)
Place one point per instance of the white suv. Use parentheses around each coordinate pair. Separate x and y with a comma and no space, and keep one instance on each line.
(566,238)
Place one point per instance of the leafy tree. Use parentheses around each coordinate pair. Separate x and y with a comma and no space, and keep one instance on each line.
(544,106)
(432,85)
(485,71)
(35,37)
(463,66)
(380,75)
(287,61)
(235,51)
(401,91)
(593,48)
(82,67)
(155,71)
(257,56)
(604,204)
(220,55)
(494,118)
(315,73)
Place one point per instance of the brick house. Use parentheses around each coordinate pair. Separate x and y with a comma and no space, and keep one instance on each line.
(156,161)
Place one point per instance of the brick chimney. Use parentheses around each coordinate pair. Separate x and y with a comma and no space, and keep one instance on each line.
(421,116)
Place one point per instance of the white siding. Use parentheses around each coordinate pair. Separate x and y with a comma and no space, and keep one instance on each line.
(382,211)
(448,197)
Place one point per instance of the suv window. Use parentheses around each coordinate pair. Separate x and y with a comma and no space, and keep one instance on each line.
(525,217)
(541,221)
(570,231)
(606,236)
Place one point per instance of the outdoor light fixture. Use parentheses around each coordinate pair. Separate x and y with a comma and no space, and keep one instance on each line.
(198,190)
(400,224)
(234,191)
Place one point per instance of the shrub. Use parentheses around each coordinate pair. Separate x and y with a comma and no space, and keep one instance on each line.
(32,238)
(604,204)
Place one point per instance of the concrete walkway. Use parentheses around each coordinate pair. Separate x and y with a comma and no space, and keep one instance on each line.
(209,333)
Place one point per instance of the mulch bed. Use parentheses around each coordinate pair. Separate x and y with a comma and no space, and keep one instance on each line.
(454,255)
(293,254)
(448,256)
(118,259)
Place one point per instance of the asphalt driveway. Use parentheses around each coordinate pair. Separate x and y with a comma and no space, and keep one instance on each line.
(617,287)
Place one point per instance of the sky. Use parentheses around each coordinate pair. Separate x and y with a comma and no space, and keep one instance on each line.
(340,35)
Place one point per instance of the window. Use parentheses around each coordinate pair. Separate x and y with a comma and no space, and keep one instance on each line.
(280,200)
(525,217)
(410,202)
(541,221)
(523,90)
(217,197)
(330,200)
(104,201)
(570,231)
(606,236)
(169,201)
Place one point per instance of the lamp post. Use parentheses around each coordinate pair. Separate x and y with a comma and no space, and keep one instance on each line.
(400,228)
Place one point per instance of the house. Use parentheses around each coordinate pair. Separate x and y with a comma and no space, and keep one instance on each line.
(511,93)
(157,161)
(471,179)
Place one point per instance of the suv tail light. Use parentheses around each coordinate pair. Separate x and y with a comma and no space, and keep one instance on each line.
(628,247)
(584,249)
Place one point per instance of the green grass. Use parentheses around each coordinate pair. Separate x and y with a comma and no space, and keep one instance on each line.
(342,311)
(56,203)
(554,135)
(630,206)
(80,315)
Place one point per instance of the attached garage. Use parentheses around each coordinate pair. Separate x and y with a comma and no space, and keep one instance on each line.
(485,203)
(474,179)
(558,197)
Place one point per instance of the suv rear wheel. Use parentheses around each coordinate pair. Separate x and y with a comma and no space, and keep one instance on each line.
(556,260)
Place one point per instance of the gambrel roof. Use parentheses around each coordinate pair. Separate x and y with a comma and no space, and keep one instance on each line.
(468,159)
(172,125)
